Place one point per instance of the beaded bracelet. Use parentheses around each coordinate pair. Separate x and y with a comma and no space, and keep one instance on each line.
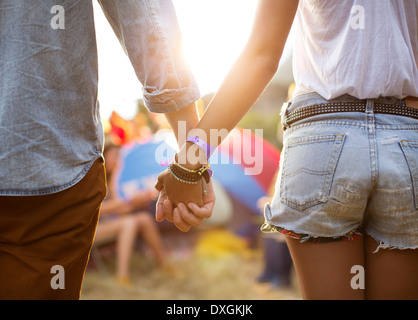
(170,168)
(204,171)
(188,175)
(184,175)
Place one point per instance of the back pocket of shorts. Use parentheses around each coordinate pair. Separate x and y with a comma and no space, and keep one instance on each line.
(308,169)
(410,150)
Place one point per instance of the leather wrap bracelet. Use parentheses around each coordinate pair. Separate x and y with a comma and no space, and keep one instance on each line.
(190,176)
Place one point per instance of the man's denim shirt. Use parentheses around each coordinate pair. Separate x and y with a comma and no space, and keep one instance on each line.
(50,126)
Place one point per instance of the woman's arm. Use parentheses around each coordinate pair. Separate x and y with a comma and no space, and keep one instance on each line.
(243,85)
(252,71)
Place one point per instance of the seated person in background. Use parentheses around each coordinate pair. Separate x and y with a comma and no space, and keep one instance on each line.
(124,220)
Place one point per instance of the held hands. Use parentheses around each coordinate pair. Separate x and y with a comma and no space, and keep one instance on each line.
(186,193)
(178,191)
(184,204)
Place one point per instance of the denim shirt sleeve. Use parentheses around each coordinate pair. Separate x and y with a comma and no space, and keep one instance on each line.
(150,35)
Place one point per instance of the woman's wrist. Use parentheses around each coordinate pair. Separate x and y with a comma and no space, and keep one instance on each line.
(191,156)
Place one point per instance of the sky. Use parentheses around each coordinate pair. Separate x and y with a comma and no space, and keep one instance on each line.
(214,33)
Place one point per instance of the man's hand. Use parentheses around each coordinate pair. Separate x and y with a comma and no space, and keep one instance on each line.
(184,217)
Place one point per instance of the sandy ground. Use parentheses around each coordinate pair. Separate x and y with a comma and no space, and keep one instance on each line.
(195,273)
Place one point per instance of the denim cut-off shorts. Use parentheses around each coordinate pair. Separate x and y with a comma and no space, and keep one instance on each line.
(346,174)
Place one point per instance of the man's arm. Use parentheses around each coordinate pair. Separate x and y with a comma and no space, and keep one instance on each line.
(188,116)
(150,35)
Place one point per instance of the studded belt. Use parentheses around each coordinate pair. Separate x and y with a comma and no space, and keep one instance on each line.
(313,110)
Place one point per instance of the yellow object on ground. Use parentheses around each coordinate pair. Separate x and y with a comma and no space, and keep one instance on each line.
(219,243)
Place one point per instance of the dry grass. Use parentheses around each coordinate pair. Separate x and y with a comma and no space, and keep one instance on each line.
(229,274)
